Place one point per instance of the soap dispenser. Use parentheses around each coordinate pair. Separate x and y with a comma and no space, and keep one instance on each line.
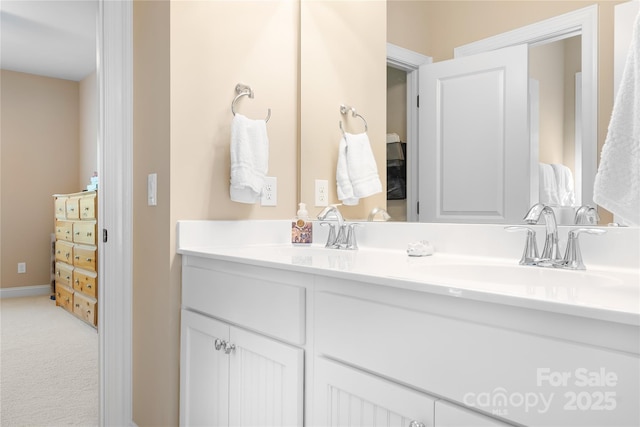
(302,227)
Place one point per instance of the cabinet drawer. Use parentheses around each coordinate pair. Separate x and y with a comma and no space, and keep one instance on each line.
(64,251)
(73,208)
(85,282)
(85,308)
(64,230)
(64,273)
(267,306)
(85,232)
(88,206)
(64,297)
(60,207)
(448,415)
(84,257)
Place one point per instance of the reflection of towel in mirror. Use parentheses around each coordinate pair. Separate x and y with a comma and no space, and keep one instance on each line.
(249,158)
(357,171)
(548,186)
(617,184)
(564,181)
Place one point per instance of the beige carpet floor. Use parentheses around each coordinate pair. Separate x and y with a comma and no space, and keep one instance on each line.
(48,365)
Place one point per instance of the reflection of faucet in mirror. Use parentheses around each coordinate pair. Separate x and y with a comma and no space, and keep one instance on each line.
(375,211)
(550,251)
(586,215)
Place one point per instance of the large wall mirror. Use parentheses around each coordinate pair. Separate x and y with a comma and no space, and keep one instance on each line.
(565,68)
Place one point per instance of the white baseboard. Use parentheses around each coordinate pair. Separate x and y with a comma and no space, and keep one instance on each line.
(25,291)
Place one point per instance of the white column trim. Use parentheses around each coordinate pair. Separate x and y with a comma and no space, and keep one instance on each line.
(115,80)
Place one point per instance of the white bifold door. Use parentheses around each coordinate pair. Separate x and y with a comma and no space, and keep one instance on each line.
(474,140)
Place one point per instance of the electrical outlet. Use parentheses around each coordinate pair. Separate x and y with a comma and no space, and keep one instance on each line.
(322,192)
(270,191)
(22,267)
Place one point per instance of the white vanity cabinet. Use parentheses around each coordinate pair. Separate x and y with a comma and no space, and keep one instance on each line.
(230,375)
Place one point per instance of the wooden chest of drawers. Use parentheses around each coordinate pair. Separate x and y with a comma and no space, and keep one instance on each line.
(76,253)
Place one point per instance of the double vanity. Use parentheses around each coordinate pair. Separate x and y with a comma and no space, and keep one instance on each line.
(275,334)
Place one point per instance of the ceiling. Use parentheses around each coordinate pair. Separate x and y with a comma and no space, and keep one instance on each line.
(49,37)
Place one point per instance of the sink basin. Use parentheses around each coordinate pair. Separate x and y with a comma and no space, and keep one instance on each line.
(517,275)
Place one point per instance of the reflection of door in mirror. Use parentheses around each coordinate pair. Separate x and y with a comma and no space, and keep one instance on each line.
(396,138)
(554,67)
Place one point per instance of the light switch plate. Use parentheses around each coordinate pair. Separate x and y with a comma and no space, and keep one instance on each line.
(152,189)
(270,191)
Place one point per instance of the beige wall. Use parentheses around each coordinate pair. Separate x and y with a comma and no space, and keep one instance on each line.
(343,57)
(189,55)
(39,138)
(88,155)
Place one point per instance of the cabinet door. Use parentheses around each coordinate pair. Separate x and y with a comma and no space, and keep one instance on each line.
(266,381)
(204,372)
(345,396)
(448,415)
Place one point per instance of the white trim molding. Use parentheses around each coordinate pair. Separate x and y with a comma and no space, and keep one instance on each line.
(410,61)
(115,163)
(583,22)
(25,291)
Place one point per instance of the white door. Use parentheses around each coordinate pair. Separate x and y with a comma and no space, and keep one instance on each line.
(204,372)
(347,397)
(266,381)
(474,138)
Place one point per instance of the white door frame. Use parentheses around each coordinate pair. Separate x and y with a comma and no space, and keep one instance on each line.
(115,213)
(409,61)
(582,22)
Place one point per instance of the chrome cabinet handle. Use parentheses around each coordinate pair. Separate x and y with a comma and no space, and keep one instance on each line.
(416,424)
(228,347)
(219,344)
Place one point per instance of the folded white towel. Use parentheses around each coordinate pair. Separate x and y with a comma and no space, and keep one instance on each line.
(617,184)
(356,172)
(548,186)
(564,181)
(249,158)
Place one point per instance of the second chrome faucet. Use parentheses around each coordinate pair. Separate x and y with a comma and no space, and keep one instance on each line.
(550,256)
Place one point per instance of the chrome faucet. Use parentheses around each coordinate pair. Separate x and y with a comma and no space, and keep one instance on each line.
(550,257)
(551,252)
(586,215)
(341,235)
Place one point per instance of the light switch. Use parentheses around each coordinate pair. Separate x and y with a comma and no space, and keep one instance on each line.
(152,189)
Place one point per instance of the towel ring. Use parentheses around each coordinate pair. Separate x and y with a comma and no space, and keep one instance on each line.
(344,110)
(243,90)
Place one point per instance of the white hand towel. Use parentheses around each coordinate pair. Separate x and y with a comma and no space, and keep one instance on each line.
(564,180)
(249,158)
(361,178)
(617,184)
(345,189)
(548,186)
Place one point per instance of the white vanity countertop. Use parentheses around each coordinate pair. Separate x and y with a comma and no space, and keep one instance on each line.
(610,293)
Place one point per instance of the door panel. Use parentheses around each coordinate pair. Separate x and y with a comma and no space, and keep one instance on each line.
(266,381)
(346,396)
(204,372)
(474,138)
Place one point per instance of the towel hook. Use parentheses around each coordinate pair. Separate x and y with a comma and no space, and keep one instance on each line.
(244,90)
(344,109)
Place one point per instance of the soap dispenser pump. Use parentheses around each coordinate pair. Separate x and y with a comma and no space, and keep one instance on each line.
(302,227)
